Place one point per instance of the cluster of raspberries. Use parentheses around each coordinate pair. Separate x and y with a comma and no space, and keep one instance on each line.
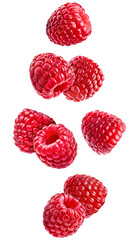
(65,212)
(54,144)
(78,79)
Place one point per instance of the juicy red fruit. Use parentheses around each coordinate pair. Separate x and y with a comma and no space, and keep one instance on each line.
(88,79)
(55,146)
(27,124)
(89,191)
(102,131)
(63,215)
(69,24)
(50,75)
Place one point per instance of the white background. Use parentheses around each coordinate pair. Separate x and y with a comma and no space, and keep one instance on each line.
(26,183)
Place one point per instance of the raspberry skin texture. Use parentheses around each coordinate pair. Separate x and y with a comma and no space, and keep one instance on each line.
(88,79)
(69,24)
(102,131)
(89,191)
(63,215)
(55,146)
(27,124)
(50,75)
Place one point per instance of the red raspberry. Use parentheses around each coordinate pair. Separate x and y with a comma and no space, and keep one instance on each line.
(55,146)
(27,124)
(69,24)
(88,190)
(50,75)
(102,131)
(88,79)
(63,215)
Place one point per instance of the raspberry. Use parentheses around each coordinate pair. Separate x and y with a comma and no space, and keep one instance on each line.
(88,79)
(55,146)
(88,190)
(69,24)
(50,75)
(63,215)
(27,124)
(102,131)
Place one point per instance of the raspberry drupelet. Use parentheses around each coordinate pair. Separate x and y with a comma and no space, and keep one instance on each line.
(88,79)
(55,146)
(88,190)
(69,24)
(26,126)
(102,131)
(63,215)
(50,75)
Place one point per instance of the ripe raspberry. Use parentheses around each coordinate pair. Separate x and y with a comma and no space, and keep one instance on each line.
(55,146)
(88,190)
(50,75)
(27,124)
(102,131)
(63,215)
(88,79)
(69,24)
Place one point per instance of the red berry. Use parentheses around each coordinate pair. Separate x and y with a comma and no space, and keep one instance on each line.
(69,24)
(27,124)
(102,131)
(63,215)
(88,79)
(50,75)
(88,190)
(55,145)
